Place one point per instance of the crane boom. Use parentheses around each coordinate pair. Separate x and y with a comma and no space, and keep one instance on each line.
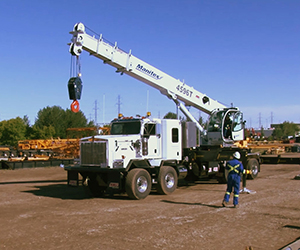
(126,63)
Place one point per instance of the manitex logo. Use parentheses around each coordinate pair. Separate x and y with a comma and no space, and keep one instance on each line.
(148,72)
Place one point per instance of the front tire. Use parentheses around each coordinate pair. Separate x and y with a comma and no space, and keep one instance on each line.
(167,180)
(138,184)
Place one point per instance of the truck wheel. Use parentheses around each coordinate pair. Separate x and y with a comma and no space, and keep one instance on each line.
(223,174)
(138,184)
(167,180)
(95,189)
(222,179)
(252,165)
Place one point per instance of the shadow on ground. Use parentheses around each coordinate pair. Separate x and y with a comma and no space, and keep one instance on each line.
(193,204)
(65,192)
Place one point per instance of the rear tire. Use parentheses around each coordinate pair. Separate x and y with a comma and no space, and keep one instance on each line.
(138,184)
(167,180)
(252,165)
(223,178)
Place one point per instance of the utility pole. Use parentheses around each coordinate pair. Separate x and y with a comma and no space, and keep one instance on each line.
(96,108)
(271,118)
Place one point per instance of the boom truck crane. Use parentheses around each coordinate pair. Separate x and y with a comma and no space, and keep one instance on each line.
(145,153)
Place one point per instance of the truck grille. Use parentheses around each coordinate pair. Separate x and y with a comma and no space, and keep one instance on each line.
(93,153)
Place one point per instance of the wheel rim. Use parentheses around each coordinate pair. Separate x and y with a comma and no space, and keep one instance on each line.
(142,184)
(254,169)
(169,180)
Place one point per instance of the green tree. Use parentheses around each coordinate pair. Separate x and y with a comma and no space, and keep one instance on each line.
(170,115)
(11,131)
(51,116)
(285,129)
(45,132)
(54,121)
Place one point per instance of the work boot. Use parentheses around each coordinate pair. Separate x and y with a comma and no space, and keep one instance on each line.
(236,205)
(224,203)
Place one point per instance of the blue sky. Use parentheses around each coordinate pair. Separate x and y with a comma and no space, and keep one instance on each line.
(245,52)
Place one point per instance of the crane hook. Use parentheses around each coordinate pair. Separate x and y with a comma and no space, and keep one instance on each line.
(75,106)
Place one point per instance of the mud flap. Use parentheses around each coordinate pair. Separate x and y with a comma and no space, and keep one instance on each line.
(73,179)
(114,183)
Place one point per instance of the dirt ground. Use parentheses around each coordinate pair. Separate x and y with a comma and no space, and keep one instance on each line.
(39,211)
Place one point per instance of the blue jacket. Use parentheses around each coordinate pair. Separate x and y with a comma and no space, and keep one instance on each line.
(234,167)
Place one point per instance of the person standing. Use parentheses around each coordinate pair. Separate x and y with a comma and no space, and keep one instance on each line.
(235,168)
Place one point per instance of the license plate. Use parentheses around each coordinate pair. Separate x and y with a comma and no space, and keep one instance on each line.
(216,169)
(73,183)
(114,185)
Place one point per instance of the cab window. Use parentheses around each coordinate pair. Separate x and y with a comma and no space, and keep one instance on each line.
(149,129)
(175,135)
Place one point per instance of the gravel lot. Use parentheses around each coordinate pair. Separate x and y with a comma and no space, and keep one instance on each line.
(39,211)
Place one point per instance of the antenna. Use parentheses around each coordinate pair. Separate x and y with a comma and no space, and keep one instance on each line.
(103,109)
(147,105)
(119,105)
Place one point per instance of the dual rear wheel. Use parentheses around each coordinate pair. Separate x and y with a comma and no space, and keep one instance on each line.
(138,182)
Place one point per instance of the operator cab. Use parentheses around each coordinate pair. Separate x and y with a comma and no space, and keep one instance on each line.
(225,126)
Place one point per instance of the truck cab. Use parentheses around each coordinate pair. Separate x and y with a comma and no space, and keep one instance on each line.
(140,153)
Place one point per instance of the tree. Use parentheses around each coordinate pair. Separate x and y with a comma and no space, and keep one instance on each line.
(12,131)
(44,132)
(54,121)
(170,115)
(285,129)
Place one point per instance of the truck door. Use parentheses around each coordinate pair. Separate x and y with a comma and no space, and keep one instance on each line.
(152,136)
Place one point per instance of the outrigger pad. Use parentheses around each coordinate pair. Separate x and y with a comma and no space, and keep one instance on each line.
(246,190)
(75,88)
(297,177)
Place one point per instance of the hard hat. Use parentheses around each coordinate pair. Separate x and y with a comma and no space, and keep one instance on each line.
(237,155)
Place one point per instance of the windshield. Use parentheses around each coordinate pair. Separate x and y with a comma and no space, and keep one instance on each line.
(125,128)
(238,122)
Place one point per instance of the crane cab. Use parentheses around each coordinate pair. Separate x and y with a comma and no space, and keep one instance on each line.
(225,126)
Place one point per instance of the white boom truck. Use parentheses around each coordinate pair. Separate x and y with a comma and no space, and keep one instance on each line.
(144,154)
